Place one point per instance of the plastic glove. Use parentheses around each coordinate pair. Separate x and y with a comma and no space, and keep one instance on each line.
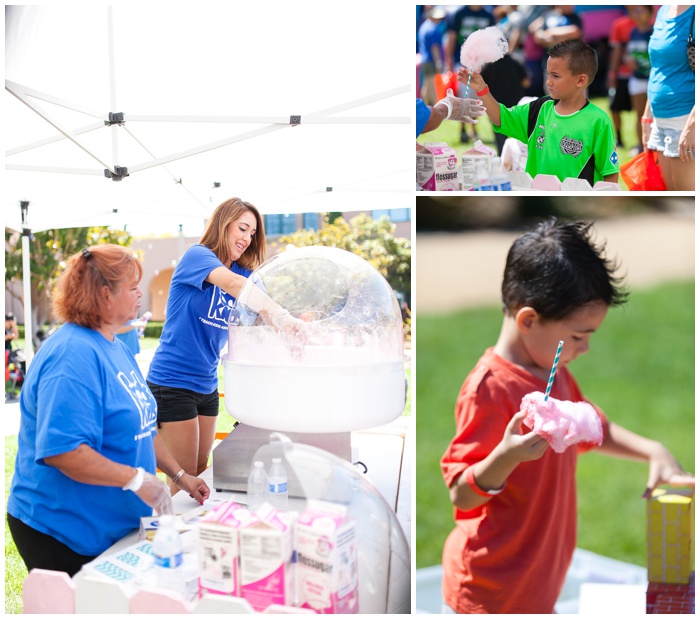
(292,330)
(152,491)
(465,110)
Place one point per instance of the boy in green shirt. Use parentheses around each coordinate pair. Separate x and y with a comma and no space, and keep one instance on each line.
(566,135)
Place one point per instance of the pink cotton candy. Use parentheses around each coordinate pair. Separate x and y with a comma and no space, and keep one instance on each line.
(561,422)
(482,46)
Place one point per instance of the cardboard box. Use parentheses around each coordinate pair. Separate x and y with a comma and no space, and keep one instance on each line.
(149,527)
(266,548)
(670,533)
(475,166)
(326,549)
(218,548)
(437,168)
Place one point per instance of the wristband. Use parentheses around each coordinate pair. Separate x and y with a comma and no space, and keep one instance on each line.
(483,92)
(471,482)
(647,121)
(136,481)
(177,477)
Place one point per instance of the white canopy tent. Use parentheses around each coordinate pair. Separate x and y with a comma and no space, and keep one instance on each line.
(293,108)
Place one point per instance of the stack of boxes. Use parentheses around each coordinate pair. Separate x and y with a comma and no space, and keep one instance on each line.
(270,557)
(670,551)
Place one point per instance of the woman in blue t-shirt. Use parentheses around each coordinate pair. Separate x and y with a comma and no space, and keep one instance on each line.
(668,123)
(87,429)
(183,373)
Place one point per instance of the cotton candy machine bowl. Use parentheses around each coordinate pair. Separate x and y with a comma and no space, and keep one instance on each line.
(345,372)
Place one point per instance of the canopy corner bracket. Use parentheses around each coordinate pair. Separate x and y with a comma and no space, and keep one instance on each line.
(115,118)
(118,174)
(294,120)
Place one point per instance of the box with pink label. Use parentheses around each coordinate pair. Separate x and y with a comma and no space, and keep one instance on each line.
(266,559)
(218,548)
(437,168)
(326,547)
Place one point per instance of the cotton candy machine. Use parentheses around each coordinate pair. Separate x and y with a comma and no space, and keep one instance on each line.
(340,368)
(343,369)
(344,373)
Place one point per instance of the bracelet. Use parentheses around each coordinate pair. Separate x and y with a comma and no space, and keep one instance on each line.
(179,474)
(471,482)
(647,121)
(483,92)
(136,481)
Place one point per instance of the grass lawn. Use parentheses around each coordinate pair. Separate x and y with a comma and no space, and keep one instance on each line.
(640,371)
(15,571)
(449,133)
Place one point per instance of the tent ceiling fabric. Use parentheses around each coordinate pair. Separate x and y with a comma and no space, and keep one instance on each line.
(208,60)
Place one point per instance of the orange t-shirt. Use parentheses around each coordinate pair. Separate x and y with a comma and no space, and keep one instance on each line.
(511,554)
(619,36)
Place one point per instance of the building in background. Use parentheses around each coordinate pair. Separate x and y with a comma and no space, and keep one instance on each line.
(160,255)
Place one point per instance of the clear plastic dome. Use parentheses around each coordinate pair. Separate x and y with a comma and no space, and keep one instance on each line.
(349,372)
(383,555)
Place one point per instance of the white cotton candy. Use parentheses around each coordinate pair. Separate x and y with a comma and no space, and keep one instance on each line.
(560,422)
(483,46)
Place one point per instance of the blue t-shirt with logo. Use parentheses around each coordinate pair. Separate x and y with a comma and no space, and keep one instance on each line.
(196,325)
(81,389)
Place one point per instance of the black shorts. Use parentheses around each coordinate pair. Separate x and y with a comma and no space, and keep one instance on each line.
(39,550)
(175,404)
(621,102)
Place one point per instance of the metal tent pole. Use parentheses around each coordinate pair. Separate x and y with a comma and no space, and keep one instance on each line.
(112,86)
(27,285)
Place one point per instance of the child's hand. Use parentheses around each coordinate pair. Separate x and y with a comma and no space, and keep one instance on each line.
(477,82)
(522,447)
(665,469)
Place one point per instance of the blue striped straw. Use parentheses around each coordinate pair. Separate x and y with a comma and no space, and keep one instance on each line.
(554,369)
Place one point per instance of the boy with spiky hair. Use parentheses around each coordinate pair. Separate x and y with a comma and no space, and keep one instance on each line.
(566,134)
(514,497)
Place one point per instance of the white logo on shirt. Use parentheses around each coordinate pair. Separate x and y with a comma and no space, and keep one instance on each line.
(138,390)
(220,307)
(570,146)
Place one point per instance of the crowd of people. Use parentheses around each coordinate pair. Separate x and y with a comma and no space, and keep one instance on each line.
(645,67)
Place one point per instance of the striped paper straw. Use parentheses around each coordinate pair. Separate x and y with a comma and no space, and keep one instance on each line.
(554,369)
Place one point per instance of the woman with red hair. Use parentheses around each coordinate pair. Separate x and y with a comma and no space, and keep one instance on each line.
(88,448)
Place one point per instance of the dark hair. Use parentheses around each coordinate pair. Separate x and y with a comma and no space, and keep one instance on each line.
(580,57)
(556,269)
(9,316)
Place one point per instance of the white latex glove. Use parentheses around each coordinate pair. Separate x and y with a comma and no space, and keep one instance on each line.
(152,491)
(465,110)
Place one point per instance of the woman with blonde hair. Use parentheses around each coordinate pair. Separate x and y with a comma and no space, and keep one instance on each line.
(87,447)
(183,374)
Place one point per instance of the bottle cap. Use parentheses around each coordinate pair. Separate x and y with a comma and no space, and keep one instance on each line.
(259,464)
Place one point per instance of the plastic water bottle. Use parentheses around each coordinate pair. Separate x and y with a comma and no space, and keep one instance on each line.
(258,490)
(481,176)
(167,555)
(278,485)
(498,175)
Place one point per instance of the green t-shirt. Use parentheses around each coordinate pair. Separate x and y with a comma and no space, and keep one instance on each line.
(580,145)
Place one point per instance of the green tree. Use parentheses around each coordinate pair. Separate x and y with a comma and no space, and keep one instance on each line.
(372,240)
(48,252)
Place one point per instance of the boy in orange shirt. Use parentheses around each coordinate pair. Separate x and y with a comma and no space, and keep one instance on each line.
(515,498)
